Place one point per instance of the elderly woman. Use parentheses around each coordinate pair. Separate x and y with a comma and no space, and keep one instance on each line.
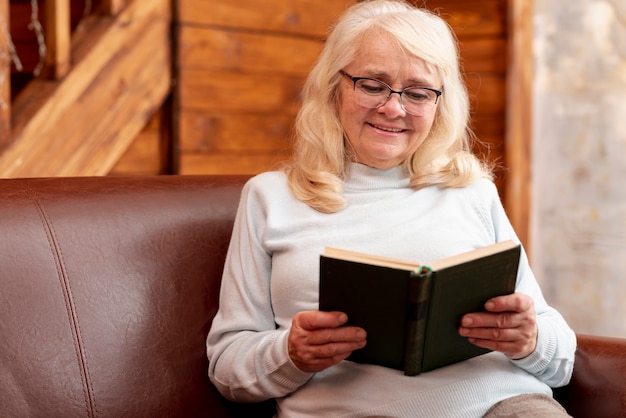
(382,164)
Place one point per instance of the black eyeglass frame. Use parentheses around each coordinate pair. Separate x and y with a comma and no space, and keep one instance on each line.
(356,79)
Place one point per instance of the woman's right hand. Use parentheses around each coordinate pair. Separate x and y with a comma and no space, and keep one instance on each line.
(318,340)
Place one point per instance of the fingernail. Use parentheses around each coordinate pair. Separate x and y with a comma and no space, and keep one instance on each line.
(468,321)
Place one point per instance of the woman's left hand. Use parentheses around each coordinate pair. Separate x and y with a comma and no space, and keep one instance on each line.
(508,326)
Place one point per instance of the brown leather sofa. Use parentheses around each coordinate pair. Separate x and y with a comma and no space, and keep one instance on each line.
(107,290)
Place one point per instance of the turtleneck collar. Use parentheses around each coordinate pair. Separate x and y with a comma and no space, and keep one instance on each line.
(365,178)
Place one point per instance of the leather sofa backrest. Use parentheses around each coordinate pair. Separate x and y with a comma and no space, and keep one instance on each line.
(107,289)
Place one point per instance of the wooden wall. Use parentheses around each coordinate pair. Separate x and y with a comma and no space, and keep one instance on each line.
(239,65)
(240,69)
(481,28)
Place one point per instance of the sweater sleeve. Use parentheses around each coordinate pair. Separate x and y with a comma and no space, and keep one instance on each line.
(248,358)
(552,362)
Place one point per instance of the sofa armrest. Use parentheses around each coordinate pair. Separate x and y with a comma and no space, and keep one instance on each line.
(598,385)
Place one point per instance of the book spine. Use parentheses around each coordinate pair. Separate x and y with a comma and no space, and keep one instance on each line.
(418,298)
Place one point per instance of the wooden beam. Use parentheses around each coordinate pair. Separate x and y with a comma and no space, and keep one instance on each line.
(5,76)
(143,156)
(518,136)
(57,27)
(113,7)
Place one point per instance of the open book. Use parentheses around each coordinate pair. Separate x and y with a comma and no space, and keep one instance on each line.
(412,312)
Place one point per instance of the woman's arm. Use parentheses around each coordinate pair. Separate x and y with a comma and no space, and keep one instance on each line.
(248,355)
(552,359)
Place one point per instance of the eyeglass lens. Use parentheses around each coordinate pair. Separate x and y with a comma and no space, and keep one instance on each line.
(374,93)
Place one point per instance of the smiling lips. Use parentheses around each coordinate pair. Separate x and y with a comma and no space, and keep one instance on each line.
(387,129)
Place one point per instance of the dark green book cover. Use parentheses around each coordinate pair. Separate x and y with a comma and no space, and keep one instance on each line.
(412,312)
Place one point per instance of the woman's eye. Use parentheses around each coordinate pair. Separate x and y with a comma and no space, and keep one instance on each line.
(373,88)
(417,95)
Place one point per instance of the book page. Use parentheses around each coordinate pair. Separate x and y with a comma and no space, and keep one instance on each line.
(377,260)
(472,255)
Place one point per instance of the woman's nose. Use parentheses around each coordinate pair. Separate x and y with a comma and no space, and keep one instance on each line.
(393,106)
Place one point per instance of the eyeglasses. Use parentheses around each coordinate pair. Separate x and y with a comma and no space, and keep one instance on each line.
(372,93)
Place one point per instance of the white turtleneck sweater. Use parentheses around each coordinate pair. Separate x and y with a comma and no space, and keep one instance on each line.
(272,269)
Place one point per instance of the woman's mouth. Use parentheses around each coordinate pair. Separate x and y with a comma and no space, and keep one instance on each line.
(387,128)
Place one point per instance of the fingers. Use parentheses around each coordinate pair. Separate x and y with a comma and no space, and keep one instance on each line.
(317,340)
(508,326)
(516,343)
(503,312)
(317,319)
(516,302)
(499,321)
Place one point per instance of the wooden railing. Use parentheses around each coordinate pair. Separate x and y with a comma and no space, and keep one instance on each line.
(58,35)
(58,51)
(96,91)
(5,75)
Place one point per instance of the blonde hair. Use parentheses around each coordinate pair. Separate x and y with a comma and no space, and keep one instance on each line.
(320,160)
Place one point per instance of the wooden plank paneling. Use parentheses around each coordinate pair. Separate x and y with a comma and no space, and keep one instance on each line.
(241,64)
(228,50)
(480,26)
(487,93)
(241,71)
(471,18)
(229,91)
(221,50)
(230,163)
(483,55)
(234,132)
(298,17)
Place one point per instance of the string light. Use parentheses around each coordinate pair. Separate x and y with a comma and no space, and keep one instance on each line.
(11,56)
(7,57)
(35,25)
(87,10)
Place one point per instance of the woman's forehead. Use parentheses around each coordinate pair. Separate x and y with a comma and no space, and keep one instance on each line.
(379,55)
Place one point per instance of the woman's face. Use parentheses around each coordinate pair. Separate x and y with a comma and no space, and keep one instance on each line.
(385,137)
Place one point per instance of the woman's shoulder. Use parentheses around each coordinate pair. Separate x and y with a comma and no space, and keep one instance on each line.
(269,183)
(267,178)
(482,195)
(482,187)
